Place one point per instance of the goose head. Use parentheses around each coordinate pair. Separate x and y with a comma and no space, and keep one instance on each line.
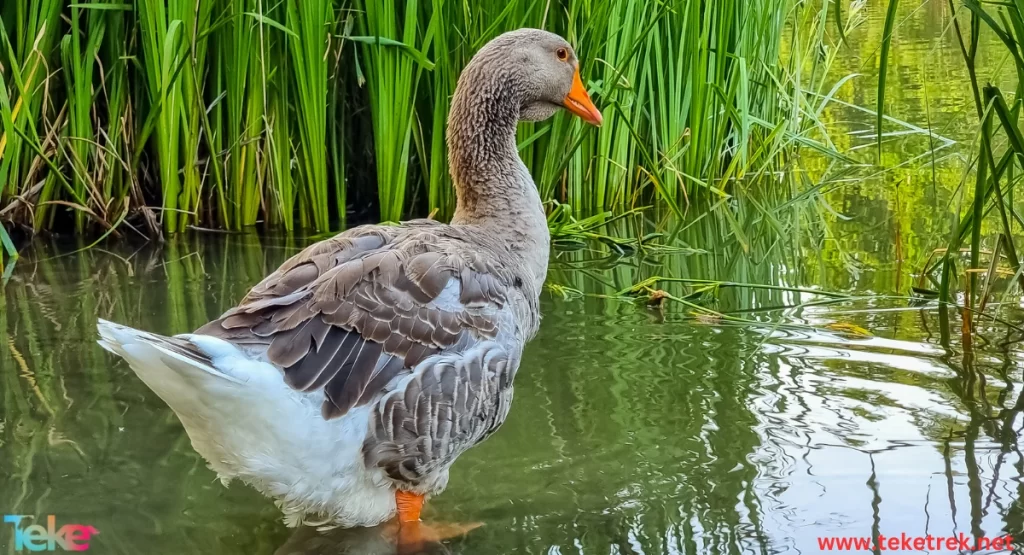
(551,77)
(524,75)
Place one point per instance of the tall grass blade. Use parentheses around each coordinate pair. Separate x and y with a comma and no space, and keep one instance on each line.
(309,22)
(883,68)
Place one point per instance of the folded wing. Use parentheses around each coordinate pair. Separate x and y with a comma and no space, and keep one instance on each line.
(350,314)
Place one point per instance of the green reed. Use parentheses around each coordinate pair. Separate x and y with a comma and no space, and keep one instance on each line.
(391,29)
(988,222)
(226,114)
(240,70)
(78,50)
(27,43)
(309,20)
(173,36)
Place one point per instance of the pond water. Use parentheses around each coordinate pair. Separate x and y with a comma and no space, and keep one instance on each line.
(634,430)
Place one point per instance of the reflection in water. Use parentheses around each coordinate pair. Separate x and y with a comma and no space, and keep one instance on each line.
(633,431)
(380,540)
(356,541)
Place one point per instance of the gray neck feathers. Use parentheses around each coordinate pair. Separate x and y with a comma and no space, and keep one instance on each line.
(493,188)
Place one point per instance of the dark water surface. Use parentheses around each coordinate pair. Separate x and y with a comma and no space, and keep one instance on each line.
(633,430)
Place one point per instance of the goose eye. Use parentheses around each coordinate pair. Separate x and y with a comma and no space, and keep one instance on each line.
(562,54)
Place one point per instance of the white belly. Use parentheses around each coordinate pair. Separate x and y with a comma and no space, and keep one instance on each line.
(312,468)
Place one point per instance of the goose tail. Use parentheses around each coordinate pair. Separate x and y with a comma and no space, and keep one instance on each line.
(219,393)
(190,357)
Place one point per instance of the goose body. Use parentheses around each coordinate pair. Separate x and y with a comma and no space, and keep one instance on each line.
(346,383)
(419,335)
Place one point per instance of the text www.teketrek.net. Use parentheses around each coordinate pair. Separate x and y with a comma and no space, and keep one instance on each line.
(904,542)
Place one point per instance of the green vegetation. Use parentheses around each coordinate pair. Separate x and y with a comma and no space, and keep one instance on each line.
(987,223)
(791,219)
(162,117)
(145,118)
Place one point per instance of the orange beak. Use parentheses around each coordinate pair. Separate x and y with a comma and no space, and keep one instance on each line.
(579,103)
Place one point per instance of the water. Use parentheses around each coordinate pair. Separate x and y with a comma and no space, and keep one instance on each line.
(634,430)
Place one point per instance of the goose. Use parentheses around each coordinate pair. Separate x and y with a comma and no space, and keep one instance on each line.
(346,383)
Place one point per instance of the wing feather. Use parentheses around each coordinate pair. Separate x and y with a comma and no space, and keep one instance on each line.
(350,314)
(446,408)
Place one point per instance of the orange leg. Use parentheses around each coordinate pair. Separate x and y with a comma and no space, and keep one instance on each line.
(409,505)
(415,536)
